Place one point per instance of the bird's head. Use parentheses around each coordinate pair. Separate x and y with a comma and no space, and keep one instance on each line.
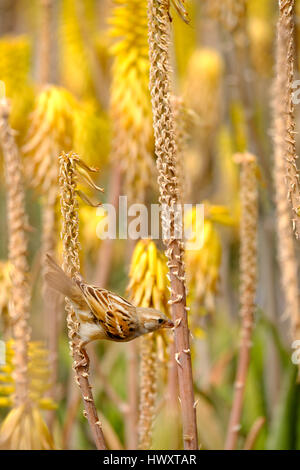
(151,320)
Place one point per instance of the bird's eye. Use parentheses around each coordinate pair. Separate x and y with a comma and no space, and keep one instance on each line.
(160,320)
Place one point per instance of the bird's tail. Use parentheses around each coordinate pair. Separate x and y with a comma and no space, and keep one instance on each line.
(58,280)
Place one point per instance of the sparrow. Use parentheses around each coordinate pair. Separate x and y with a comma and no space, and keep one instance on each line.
(102,314)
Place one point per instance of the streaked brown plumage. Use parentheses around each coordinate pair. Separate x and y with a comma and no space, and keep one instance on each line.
(101,313)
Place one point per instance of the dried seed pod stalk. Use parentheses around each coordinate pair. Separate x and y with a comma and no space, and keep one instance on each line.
(148,288)
(147,390)
(286,48)
(71,265)
(165,147)
(17,222)
(19,429)
(248,265)
(283,141)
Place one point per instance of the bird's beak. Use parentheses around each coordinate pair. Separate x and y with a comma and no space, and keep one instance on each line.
(169,324)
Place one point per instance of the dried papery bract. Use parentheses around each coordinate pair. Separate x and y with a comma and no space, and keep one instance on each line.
(71,265)
(248,266)
(285,32)
(282,143)
(163,120)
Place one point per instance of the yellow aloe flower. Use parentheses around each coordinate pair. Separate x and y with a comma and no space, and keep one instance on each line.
(148,282)
(91,136)
(24,429)
(89,221)
(203,264)
(202,85)
(51,131)
(132,145)
(39,374)
(75,69)
(60,123)
(185,38)
(261,37)
(15,58)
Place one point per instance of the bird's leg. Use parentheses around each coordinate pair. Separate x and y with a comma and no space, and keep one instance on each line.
(85,361)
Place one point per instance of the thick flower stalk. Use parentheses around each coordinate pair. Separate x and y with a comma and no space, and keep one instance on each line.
(17,428)
(165,148)
(71,265)
(248,267)
(285,32)
(148,288)
(130,106)
(283,142)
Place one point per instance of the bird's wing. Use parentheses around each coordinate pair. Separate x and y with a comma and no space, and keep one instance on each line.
(116,315)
